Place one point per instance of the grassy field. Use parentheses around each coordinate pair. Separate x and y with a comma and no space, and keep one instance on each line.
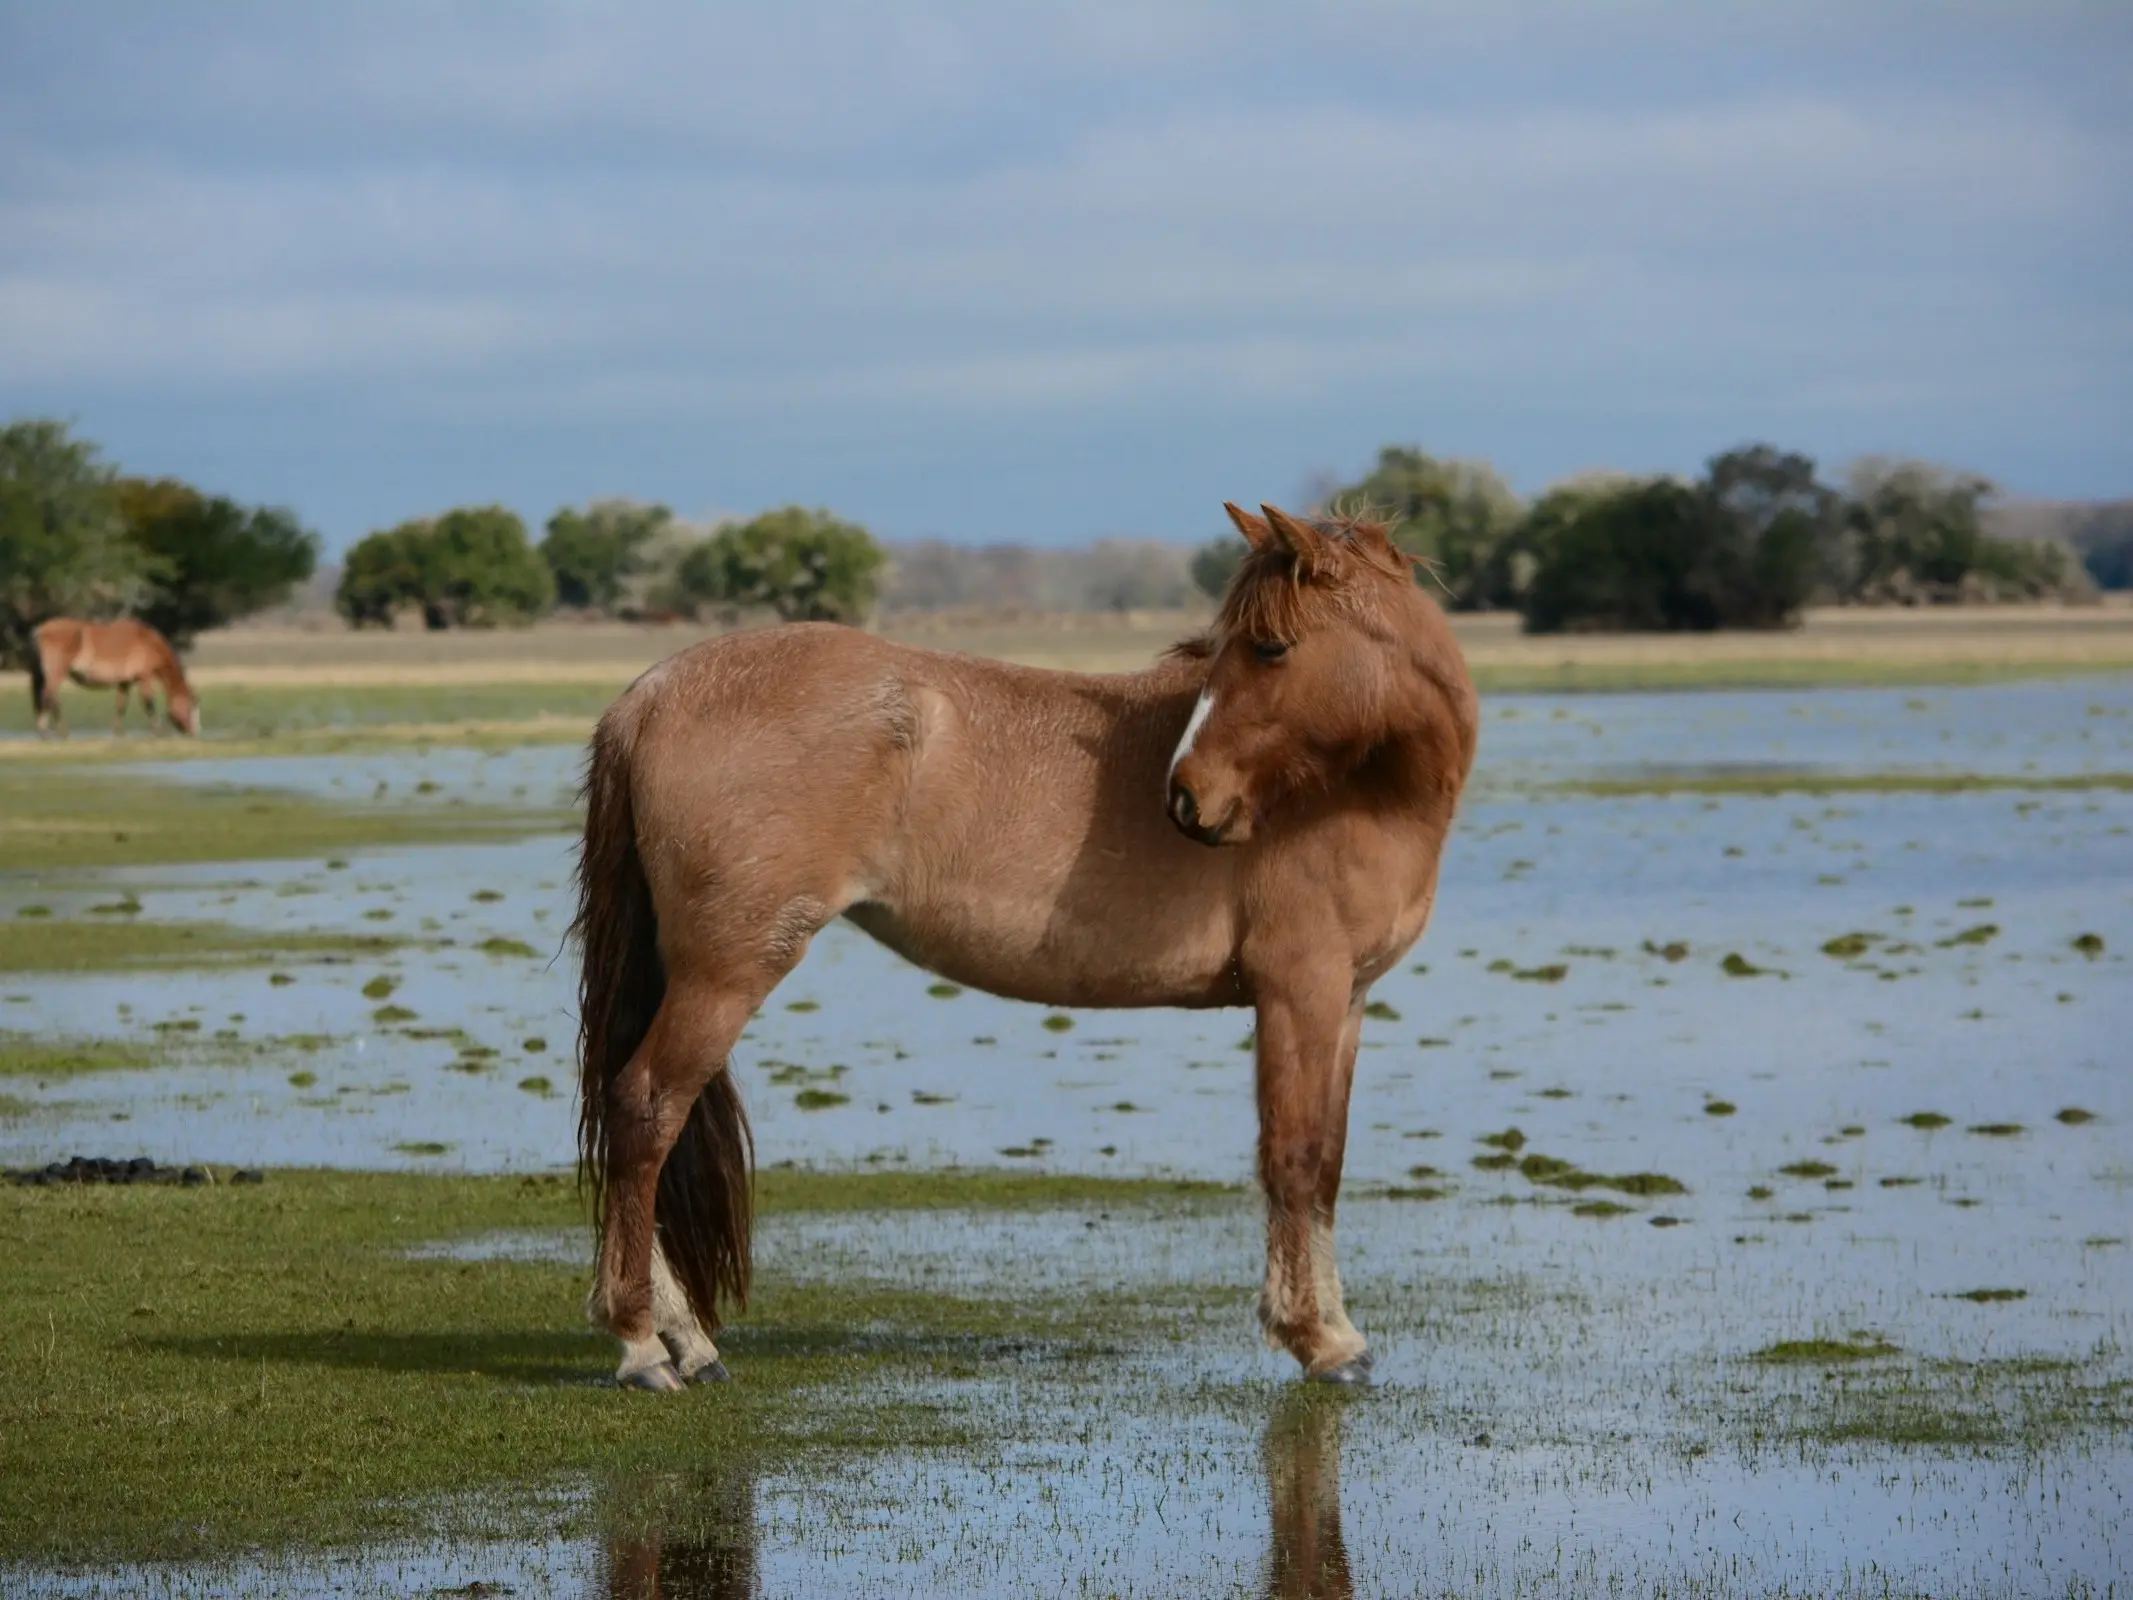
(274,689)
(196,1370)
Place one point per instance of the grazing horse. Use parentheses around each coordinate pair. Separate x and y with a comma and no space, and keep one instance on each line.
(124,655)
(1256,820)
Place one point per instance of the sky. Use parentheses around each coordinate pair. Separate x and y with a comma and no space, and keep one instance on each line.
(1053,273)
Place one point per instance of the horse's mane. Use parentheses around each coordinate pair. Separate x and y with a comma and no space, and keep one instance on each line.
(1272,591)
(168,665)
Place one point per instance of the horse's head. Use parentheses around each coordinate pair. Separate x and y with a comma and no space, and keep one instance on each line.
(1315,667)
(185,709)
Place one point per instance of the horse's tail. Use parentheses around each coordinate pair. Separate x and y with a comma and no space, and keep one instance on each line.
(705,1207)
(37,679)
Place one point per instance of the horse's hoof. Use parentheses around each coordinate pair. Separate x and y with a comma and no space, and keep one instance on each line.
(658,1378)
(712,1371)
(1350,1374)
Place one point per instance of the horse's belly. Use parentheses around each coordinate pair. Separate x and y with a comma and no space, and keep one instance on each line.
(1157,962)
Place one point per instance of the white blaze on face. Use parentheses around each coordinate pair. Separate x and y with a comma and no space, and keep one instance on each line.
(1200,711)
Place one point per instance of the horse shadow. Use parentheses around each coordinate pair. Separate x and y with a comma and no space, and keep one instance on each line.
(521,1356)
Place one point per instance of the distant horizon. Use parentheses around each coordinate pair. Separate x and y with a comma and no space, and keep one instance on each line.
(1066,272)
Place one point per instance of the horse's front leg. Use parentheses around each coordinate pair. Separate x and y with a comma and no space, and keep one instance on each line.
(1303,1050)
(118,715)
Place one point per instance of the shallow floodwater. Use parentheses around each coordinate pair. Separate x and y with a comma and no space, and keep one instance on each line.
(1636,985)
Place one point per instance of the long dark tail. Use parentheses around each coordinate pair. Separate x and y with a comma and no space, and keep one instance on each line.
(706,1199)
(36,654)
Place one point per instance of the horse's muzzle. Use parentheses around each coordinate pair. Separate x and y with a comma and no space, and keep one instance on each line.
(1185,812)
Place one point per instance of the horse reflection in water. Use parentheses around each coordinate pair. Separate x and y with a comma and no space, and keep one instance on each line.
(1307,1557)
(716,1560)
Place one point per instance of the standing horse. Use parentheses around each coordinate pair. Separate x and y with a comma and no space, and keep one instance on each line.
(118,655)
(1046,836)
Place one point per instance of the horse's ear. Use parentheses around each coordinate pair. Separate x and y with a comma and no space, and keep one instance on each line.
(1300,539)
(1256,533)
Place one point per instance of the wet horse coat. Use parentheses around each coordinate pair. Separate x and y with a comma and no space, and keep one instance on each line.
(1257,819)
(122,655)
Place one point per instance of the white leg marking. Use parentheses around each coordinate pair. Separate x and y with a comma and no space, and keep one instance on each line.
(1200,710)
(675,1318)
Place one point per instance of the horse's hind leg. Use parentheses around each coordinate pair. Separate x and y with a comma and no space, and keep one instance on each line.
(689,1043)
(118,717)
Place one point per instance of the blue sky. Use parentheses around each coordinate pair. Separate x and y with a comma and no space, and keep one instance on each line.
(1050,273)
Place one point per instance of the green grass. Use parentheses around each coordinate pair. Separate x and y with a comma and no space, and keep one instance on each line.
(1821,783)
(58,817)
(321,717)
(1622,677)
(24,1055)
(105,945)
(198,1371)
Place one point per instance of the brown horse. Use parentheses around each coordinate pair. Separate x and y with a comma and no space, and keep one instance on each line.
(1042,835)
(121,655)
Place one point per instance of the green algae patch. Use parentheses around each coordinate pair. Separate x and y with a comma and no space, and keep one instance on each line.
(2088,944)
(1824,1352)
(2073,1116)
(1849,946)
(1736,965)
(820,1099)
(517,948)
(1510,1139)
(1058,1022)
(1927,1120)
(381,987)
(1997,1130)
(1600,1208)
(1983,933)
(65,945)
(1808,1169)
(1719,1108)
(64,815)
(944,990)
(1987,1297)
(1381,1011)
(24,1055)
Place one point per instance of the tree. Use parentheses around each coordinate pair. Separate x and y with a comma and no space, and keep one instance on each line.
(212,559)
(381,573)
(479,570)
(1215,563)
(1457,514)
(470,568)
(1917,533)
(592,551)
(808,566)
(1619,555)
(63,544)
(1773,534)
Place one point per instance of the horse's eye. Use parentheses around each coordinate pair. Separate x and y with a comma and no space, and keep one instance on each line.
(1270,650)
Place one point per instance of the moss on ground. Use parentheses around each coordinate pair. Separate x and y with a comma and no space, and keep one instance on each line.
(198,1370)
(24,1055)
(1753,783)
(68,816)
(102,945)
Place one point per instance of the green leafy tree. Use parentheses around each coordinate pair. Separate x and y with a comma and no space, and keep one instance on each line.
(381,574)
(808,566)
(1457,514)
(63,544)
(592,552)
(1917,533)
(479,570)
(1773,535)
(213,559)
(470,568)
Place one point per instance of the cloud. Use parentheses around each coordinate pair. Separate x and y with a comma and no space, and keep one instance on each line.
(932,215)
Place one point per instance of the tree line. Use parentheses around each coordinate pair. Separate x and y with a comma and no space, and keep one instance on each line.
(1749,543)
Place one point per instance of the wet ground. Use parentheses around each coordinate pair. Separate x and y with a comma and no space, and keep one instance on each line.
(1741,1182)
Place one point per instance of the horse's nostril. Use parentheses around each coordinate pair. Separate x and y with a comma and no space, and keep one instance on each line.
(1185,808)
